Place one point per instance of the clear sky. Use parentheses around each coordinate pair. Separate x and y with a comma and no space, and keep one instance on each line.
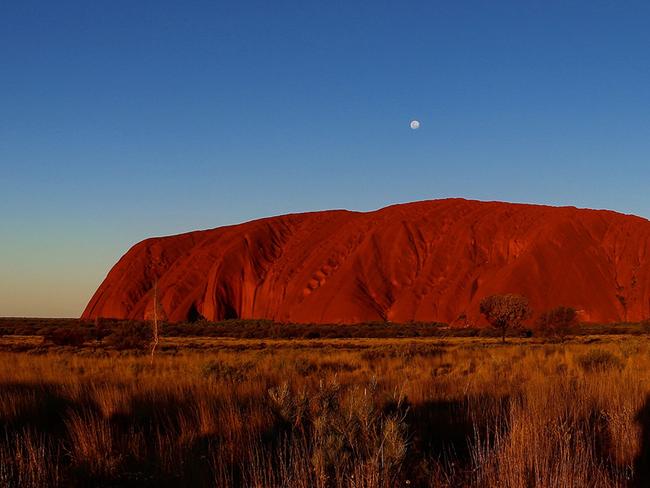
(121,120)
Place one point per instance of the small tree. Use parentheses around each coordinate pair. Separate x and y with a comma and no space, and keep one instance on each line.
(157,314)
(505,311)
(558,321)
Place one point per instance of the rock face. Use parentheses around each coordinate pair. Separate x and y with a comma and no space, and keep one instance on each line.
(424,261)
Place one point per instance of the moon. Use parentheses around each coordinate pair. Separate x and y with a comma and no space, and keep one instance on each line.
(415,124)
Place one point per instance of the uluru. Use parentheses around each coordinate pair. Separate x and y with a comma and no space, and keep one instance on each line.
(424,261)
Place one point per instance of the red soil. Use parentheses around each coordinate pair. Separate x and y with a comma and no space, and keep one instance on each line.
(424,261)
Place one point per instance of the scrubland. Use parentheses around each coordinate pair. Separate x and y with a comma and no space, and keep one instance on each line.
(328,413)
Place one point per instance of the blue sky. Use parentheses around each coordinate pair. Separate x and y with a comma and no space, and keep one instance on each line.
(122,120)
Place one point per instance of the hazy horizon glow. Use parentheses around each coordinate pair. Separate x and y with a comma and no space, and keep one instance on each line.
(127,120)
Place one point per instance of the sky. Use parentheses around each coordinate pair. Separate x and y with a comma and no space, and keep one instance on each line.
(123,120)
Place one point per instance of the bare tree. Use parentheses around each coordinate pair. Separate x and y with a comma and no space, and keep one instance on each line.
(558,321)
(505,311)
(155,331)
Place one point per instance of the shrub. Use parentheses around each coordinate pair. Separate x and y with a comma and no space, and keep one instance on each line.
(230,373)
(347,428)
(645,326)
(442,370)
(558,322)
(561,369)
(99,330)
(63,336)
(304,366)
(599,360)
(130,335)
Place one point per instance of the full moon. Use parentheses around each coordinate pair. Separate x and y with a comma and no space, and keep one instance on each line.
(415,124)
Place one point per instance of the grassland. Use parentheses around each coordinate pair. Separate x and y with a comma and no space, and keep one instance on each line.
(327,412)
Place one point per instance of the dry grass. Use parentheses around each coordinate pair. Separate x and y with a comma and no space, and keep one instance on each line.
(329,413)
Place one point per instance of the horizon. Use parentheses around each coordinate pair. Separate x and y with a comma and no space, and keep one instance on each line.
(127,121)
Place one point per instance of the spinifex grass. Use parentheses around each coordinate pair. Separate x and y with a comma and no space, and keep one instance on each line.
(379,413)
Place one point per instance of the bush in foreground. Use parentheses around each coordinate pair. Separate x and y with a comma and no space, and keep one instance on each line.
(599,360)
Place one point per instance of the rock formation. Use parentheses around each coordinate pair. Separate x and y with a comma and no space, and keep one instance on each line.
(423,261)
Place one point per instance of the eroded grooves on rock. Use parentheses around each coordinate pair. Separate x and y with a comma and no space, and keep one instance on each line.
(424,261)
